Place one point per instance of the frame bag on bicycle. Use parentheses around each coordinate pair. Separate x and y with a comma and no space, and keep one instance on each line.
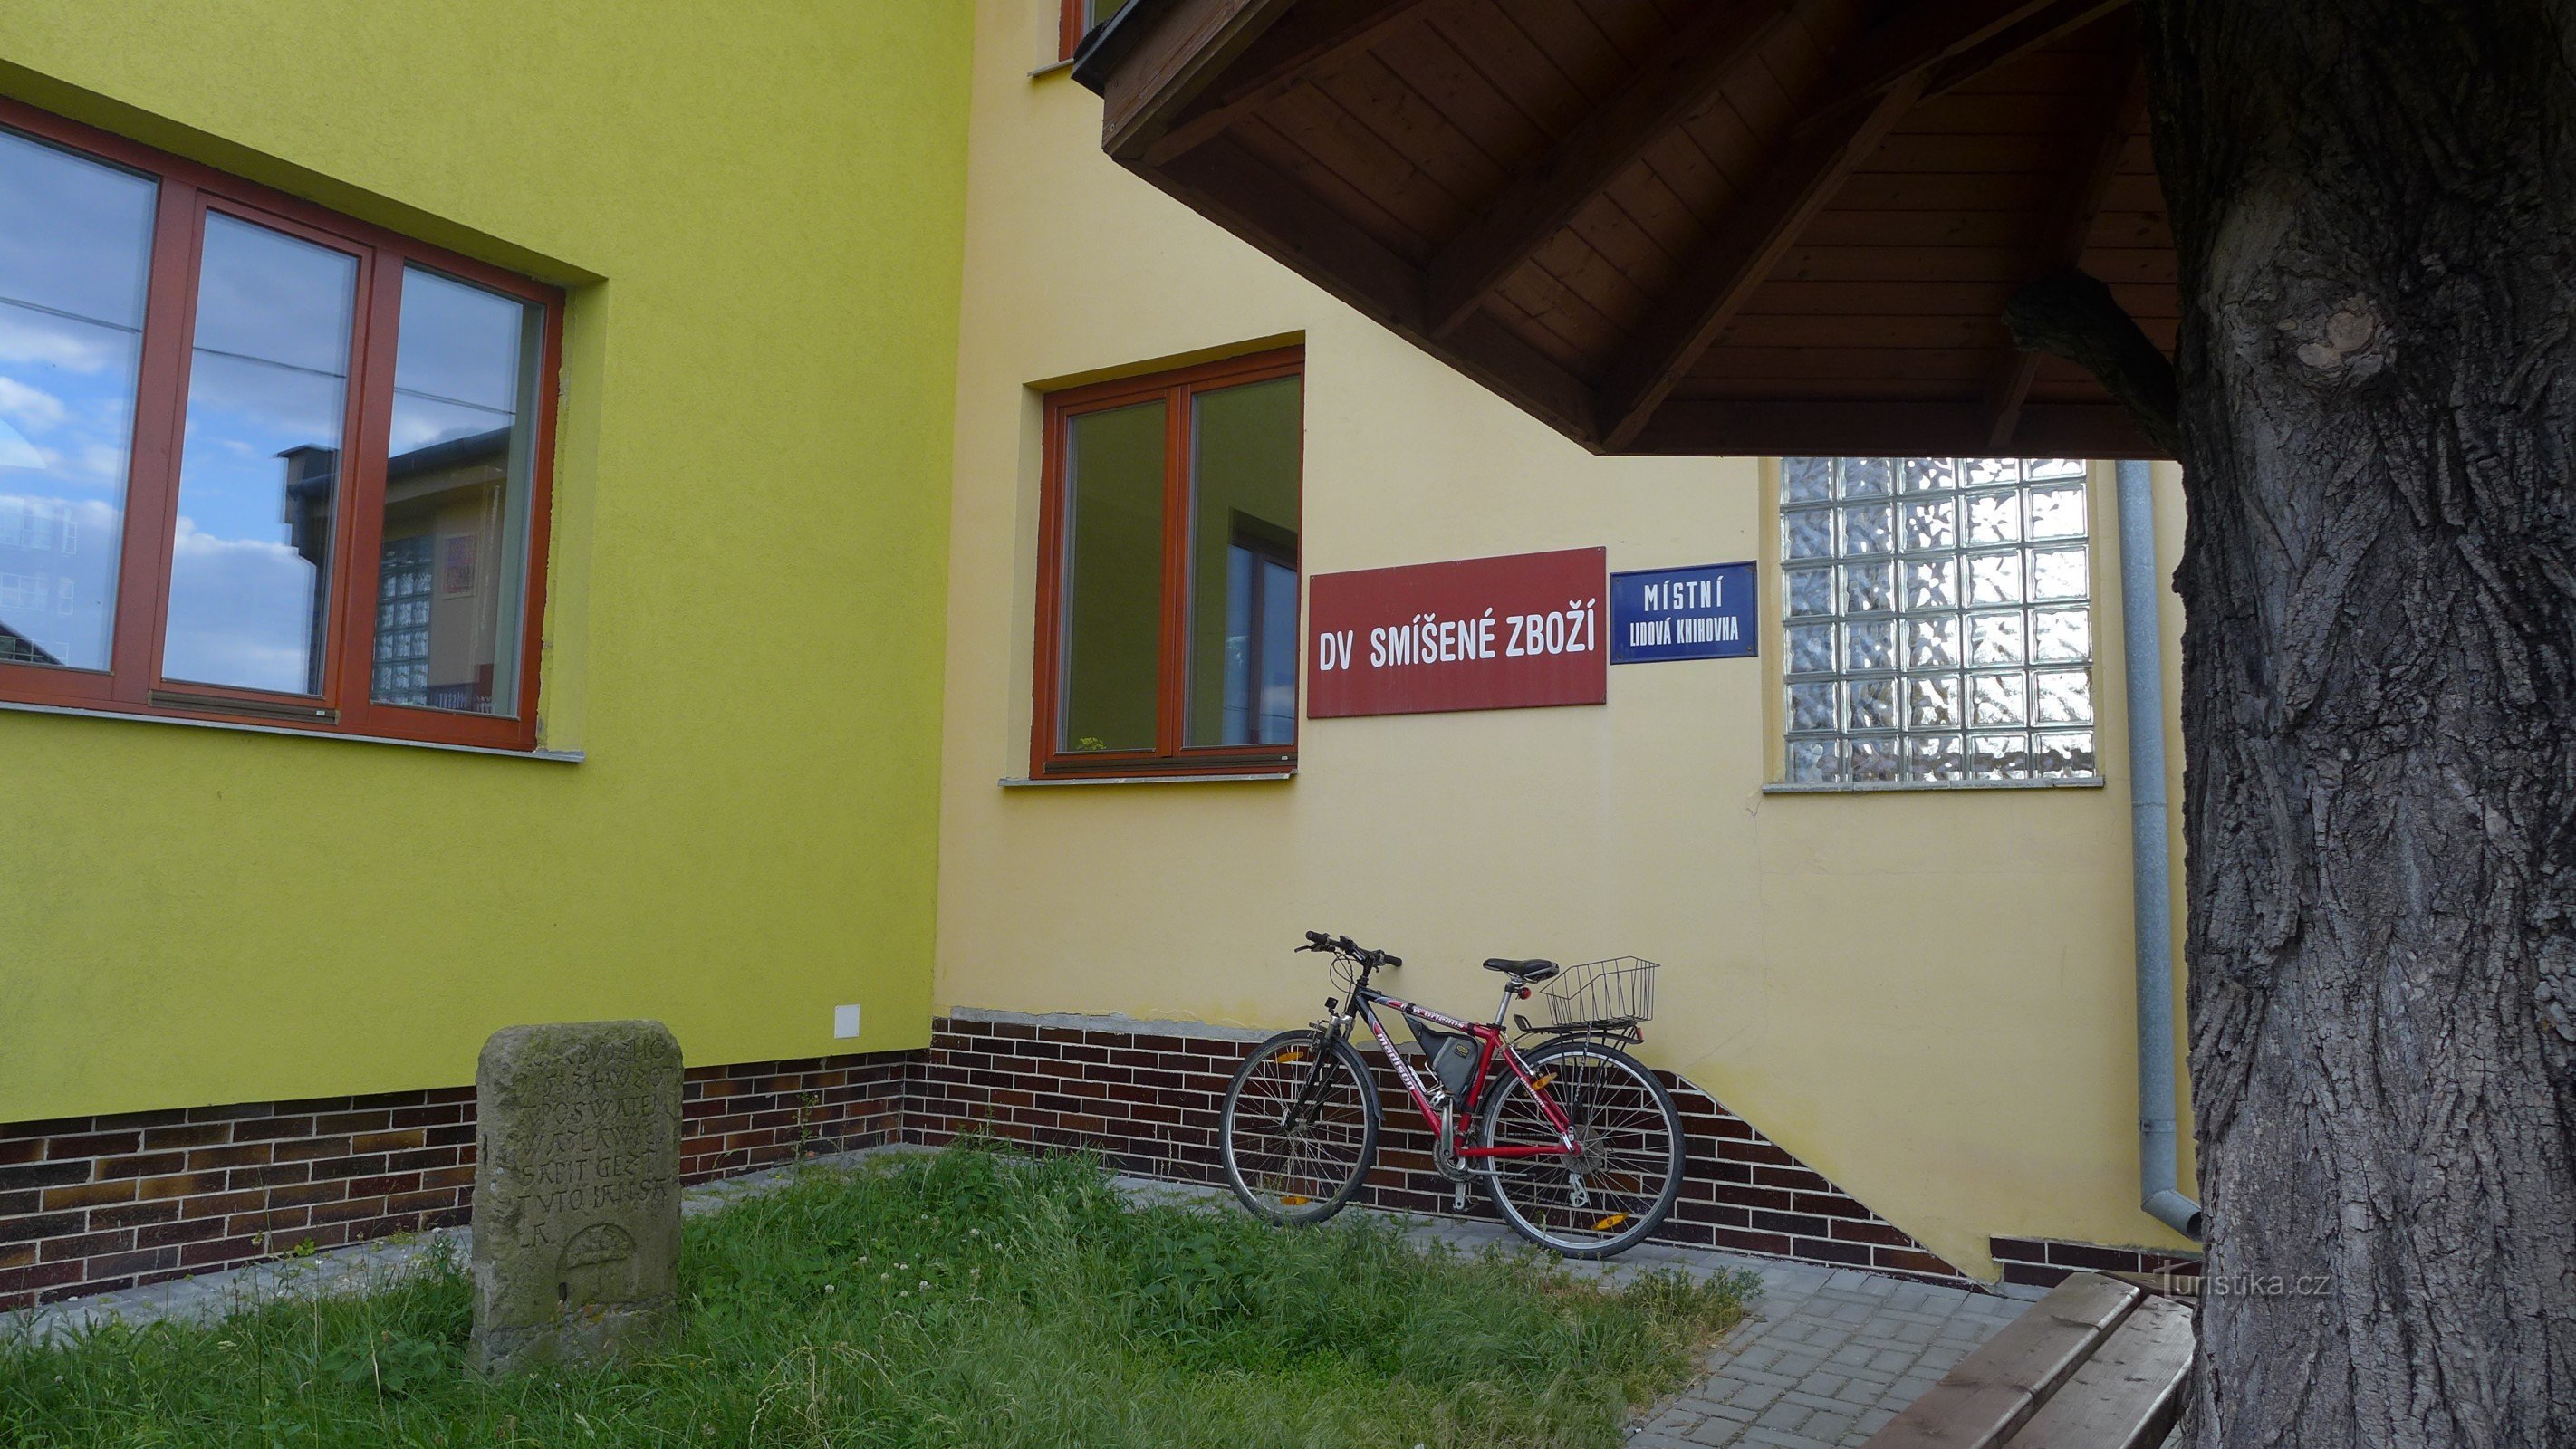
(1448,1055)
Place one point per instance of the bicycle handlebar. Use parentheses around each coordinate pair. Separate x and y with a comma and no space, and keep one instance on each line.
(1345,946)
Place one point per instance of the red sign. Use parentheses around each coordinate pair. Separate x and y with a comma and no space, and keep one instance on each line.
(1480,633)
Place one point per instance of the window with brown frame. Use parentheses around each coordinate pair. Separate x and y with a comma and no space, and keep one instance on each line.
(1168,574)
(1076,20)
(260,462)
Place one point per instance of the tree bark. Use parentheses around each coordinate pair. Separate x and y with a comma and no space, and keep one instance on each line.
(2374,204)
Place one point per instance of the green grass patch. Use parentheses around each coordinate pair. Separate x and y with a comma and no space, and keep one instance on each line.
(971,1299)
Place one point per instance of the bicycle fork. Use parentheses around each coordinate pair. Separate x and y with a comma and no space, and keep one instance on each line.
(1328,1035)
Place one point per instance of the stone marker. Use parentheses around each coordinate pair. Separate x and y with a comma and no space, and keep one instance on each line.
(576,1193)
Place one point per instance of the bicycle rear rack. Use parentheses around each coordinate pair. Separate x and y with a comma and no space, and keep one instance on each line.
(1609,997)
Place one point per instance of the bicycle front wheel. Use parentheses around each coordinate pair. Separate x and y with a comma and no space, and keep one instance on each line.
(1617,1189)
(1299,1127)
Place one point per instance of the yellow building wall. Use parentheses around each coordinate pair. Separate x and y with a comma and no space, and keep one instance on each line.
(759,210)
(1926,996)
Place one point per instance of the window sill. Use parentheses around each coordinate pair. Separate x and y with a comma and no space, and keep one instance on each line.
(1009,782)
(1061,67)
(1883,787)
(560,757)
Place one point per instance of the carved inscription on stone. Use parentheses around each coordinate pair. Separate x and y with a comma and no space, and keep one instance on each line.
(576,1193)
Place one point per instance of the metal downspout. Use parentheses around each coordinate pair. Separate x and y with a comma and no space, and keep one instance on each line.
(2142,661)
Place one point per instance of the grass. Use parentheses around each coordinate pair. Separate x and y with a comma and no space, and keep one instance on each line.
(970,1299)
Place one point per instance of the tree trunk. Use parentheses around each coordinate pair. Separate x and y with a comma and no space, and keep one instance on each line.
(2374,203)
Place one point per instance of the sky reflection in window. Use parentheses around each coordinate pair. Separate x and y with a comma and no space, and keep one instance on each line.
(259,470)
(75,244)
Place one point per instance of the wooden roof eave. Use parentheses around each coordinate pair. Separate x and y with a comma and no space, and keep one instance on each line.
(1132,62)
(1175,75)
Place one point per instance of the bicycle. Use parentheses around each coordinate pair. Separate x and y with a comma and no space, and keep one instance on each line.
(1577,1143)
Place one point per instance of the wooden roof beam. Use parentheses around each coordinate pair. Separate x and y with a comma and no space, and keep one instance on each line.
(1304,42)
(1750,238)
(1185,52)
(1920,40)
(1225,182)
(2088,185)
(1735,427)
(1685,73)
(2044,27)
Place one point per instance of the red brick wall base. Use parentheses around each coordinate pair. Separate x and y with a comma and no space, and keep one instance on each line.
(91,1204)
(2047,1262)
(1147,1095)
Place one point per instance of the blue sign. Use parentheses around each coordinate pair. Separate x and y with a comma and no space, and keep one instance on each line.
(1701,612)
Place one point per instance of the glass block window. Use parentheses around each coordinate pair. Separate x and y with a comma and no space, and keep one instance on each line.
(403,583)
(1939,620)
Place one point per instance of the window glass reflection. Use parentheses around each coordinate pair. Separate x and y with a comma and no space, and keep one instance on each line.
(451,577)
(259,473)
(75,246)
(1243,565)
(1113,578)
(1260,649)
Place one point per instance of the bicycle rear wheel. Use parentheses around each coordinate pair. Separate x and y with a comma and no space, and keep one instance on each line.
(1299,1127)
(1607,1199)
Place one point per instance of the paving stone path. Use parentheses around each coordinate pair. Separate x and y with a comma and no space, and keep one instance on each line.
(1828,1359)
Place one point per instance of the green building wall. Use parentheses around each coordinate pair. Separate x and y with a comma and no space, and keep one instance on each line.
(759,210)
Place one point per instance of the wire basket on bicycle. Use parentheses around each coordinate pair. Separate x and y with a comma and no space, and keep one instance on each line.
(1603,995)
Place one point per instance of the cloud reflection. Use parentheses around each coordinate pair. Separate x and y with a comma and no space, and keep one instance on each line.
(250,614)
(258,470)
(75,243)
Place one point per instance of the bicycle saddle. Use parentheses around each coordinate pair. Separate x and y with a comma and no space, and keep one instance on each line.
(1533,970)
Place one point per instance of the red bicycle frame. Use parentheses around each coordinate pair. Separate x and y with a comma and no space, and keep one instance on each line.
(1490,1045)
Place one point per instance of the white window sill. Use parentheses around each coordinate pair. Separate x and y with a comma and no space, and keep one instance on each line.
(1011,782)
(1881,787)
(1061,67)
(560,757)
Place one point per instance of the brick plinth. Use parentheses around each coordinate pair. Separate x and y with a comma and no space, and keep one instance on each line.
(90,1204)
(750,1115)
(2047,1262)
(1147,1095)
